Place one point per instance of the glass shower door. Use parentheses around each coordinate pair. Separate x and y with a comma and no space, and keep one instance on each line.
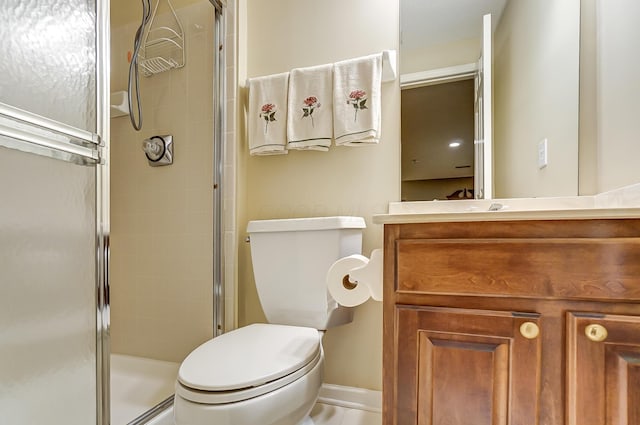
(48,62)
(53,213)
(47,290)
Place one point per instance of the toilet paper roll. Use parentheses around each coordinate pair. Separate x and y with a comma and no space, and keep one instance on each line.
(343,290)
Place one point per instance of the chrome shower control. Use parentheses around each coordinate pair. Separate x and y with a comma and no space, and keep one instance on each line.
(154,148)
(159,150)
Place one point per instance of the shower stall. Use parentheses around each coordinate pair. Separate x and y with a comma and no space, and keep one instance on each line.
(165,220)
(56,161)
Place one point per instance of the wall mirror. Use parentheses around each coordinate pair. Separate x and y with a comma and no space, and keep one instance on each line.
(562,101)
(446,76)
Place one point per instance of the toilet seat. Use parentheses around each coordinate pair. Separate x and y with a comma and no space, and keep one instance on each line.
(248,362)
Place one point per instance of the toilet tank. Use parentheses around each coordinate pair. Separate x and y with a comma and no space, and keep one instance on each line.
(290,260)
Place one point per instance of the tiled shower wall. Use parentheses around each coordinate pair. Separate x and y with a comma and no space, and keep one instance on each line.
(162,217)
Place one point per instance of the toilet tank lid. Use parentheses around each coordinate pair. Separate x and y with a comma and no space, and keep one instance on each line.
(306,224)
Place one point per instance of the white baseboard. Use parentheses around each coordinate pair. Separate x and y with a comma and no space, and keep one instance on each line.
(351,397)
(336,395)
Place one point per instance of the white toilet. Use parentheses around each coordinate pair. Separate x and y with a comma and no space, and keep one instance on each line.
(270,374)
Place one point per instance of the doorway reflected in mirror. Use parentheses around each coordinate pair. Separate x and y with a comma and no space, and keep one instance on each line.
(437,126)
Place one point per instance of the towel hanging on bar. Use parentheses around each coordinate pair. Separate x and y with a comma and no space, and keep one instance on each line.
(357,100)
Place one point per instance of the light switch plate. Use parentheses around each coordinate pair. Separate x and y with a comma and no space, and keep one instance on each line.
(543,159)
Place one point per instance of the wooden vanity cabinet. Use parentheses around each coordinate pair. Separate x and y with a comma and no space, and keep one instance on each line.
(473,359)
(514,322)
(603,369)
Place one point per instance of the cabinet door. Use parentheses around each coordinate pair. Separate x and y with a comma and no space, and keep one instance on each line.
(603,369)
(466,367)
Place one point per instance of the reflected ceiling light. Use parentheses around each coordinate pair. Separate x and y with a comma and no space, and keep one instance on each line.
(454,144)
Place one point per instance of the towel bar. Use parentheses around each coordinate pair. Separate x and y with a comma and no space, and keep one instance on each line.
(389,67)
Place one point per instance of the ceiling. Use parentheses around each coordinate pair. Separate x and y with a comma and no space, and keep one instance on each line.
(425,22)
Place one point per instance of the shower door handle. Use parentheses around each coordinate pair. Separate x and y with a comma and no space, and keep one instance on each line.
(44,133)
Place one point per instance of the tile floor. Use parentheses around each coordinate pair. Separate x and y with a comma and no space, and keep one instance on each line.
(327,414)
(322,414)
(137,384)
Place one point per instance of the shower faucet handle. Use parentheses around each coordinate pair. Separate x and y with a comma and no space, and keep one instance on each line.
(158,150)
(152,147)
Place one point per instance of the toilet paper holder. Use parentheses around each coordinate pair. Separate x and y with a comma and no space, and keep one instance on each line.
(354,279)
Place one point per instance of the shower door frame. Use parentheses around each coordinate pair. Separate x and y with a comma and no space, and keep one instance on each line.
(219,100)
(103,90)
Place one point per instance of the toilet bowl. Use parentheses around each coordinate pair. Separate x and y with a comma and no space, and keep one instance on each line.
(262,373)
(270,374)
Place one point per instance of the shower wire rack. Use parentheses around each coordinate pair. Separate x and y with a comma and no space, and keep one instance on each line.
(163,46)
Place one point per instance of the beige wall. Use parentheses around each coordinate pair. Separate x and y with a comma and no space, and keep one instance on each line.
(609,144)
(459,52)
(161,240)
(536,61)
(282,35)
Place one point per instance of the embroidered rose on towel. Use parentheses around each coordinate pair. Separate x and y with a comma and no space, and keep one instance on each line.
(310,104)
(268,112)
(357,98)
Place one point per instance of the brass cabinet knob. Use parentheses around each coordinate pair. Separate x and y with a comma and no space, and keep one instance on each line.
(595,332)
(529,330)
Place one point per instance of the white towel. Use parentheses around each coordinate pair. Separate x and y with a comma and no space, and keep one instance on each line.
(310,112)
(267,115)
(356,100)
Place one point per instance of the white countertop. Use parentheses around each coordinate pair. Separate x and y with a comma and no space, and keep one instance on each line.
(619,203)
